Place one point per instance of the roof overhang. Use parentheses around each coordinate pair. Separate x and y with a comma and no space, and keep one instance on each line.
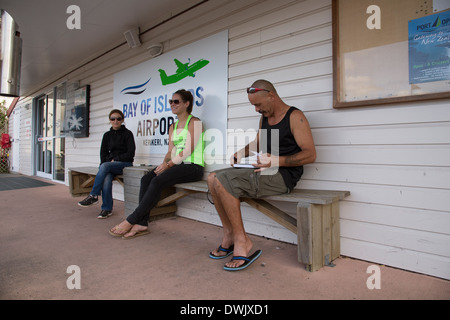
(52,47)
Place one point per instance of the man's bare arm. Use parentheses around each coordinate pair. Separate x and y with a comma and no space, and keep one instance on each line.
(302,134)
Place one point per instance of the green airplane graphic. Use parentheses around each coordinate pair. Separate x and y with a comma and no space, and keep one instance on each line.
(183,71)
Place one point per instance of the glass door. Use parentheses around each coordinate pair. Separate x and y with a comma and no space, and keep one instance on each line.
(60,140)
(50,143)
(44,148)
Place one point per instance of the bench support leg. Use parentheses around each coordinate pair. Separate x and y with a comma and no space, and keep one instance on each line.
(318,234)
(274,213)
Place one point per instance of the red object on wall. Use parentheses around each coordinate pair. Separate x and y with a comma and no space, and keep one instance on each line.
(6,141)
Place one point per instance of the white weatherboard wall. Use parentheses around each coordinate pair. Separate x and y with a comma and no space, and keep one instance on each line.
(22,137)
(394,158)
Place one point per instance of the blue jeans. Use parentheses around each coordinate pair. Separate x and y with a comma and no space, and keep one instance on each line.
(103,181)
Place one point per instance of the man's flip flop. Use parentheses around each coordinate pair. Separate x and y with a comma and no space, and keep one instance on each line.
(137,234)
(228,252)
(248,261)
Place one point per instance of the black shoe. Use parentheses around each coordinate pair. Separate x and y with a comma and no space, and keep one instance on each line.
(89,201)
(104,214)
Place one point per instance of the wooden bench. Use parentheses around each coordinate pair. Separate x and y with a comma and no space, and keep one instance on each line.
(82,179)
(316,223)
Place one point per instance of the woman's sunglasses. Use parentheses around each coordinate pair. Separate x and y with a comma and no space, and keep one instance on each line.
(114,119)
(176,101)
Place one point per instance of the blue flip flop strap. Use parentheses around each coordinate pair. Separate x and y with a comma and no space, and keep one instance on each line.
(225,250)
(240,258)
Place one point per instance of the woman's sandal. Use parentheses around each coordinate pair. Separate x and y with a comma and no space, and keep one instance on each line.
(123,231)
(135,235)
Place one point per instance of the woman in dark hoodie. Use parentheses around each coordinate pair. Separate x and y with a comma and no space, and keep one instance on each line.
(116,152)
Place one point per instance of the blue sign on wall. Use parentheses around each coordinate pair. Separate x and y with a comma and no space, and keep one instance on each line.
(429,48)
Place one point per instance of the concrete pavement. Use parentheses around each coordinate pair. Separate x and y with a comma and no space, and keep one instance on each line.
(43,232)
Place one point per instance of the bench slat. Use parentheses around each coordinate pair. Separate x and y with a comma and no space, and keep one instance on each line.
(297,195)
(200,186)
(86,170)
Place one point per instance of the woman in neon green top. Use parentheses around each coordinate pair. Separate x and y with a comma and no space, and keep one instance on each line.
(184,162)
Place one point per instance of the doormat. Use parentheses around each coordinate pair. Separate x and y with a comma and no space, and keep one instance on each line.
(8,182)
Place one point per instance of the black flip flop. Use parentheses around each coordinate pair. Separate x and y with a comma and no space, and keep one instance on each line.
(248,261)
(228,252)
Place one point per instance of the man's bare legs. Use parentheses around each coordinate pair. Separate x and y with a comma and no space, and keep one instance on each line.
(229,210)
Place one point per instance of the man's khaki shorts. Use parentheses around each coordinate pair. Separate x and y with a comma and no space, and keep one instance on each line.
(250,184)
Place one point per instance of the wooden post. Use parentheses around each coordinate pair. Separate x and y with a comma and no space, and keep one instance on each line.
(304,235)
(317,241)
(318,234)
(335,231)
(326,234)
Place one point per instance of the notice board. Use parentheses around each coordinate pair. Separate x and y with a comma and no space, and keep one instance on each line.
(390,51)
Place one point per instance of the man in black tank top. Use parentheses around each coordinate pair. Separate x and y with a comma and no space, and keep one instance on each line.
(284,144)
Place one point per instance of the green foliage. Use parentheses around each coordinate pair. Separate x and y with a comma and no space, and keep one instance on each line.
(3,110)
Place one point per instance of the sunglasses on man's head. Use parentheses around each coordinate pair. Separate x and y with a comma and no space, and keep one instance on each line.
(176,101)
(114,119)
(254,90)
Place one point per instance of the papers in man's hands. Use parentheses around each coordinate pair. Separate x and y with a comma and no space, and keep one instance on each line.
(248,165)
(243,165)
